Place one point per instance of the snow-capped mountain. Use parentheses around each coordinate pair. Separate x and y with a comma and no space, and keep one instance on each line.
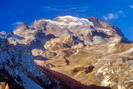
(66,53)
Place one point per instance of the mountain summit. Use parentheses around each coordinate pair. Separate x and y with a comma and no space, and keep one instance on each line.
(66,53)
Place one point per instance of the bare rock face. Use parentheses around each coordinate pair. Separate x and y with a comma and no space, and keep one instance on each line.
(55,54)
(112,30)
(17,68)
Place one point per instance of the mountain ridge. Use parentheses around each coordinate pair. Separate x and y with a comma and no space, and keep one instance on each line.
(88,51)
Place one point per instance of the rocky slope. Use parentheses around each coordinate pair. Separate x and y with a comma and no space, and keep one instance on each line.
(66,53)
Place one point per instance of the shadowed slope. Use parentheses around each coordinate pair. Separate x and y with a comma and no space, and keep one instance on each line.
(68,82)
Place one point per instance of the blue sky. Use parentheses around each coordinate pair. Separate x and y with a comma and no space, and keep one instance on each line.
(117,12)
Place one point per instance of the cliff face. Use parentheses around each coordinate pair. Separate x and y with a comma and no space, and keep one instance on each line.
(51,54)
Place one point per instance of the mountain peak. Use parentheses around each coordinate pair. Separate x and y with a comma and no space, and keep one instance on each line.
(51,54)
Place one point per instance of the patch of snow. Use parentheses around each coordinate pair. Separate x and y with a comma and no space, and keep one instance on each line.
(74,21)
(53,22)
(66,17)
(106,81)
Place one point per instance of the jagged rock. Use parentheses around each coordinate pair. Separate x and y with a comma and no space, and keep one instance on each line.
(21,28)
(112,30)
(39,24)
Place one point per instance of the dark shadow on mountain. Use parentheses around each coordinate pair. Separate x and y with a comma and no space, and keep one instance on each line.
(95,33)
(40,40)
(15,36)
(5,77)
(89,69)
(39,58)
(67,82)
